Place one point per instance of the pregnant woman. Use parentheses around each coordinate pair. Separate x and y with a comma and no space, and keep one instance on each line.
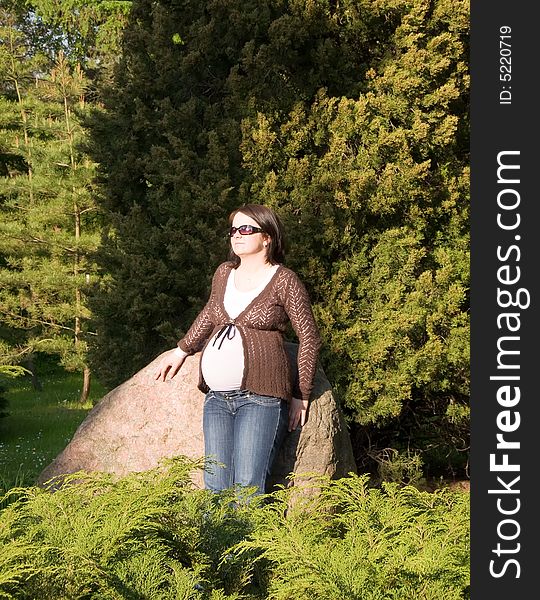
(244,369)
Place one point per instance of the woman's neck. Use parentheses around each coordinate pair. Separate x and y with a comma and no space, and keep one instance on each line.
(252,264)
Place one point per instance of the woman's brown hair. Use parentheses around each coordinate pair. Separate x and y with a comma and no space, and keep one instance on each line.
(271,224)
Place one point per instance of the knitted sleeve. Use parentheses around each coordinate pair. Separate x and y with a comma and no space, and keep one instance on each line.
(202,327)
(298,308)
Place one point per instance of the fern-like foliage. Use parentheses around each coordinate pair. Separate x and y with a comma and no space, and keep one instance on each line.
(353,542)
(152,536)
(96,537)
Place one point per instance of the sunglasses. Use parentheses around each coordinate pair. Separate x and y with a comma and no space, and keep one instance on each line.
(245,230)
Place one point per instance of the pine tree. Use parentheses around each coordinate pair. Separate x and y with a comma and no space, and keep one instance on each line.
(89,32)
(54,56)
(49,226)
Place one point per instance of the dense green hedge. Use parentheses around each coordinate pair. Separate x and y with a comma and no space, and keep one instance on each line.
(350,119)
(152,536)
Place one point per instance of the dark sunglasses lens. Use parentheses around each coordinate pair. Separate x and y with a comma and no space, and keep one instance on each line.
(243,229)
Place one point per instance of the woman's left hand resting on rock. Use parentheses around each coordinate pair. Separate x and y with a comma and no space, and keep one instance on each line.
(297,413)
(170,364)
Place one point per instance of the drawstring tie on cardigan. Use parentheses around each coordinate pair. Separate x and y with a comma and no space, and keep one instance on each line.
(225,332)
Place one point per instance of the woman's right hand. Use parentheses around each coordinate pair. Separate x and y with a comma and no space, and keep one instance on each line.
(170,364)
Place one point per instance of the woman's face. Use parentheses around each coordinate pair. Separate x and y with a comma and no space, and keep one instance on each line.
(247,245)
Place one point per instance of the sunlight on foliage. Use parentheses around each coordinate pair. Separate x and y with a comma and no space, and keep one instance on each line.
(356,542)
(152,535)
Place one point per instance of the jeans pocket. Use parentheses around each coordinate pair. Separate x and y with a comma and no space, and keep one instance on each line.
(264,400)
(209,396)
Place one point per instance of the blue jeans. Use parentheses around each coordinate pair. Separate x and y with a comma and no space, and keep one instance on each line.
(240,429)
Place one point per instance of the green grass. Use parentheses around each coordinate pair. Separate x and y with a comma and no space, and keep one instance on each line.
(40,423)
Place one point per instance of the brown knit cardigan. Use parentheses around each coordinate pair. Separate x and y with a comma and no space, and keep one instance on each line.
(261,325)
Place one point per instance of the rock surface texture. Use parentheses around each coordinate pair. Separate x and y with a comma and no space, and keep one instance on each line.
(143,420)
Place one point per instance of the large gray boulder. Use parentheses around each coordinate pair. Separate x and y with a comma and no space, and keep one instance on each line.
(143,420)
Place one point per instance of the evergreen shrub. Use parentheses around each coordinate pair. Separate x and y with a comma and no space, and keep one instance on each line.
(152,535)
(350,120)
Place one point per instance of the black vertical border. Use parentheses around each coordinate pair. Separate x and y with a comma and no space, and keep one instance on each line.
(495,128)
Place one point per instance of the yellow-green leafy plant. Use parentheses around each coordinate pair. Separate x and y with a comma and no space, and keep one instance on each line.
(355,542)
(153,536)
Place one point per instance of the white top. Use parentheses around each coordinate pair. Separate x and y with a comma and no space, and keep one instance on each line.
(222,362)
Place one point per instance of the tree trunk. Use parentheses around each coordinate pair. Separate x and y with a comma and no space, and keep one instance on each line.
(28,363)
(86,385)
